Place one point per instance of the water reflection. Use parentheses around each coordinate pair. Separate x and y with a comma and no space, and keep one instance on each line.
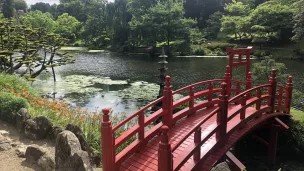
(127,83)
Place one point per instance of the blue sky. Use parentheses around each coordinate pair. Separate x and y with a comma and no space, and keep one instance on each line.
(31,2)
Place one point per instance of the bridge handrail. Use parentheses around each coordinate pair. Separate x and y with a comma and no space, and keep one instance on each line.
(196,84)
(241,95)
(137,113)
(198,125)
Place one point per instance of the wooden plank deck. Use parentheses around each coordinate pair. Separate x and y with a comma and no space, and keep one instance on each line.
(146,159)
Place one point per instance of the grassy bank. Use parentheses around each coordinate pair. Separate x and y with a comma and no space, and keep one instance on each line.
(17,91)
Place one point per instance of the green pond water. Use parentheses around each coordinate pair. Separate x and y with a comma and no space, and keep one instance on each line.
(127,82)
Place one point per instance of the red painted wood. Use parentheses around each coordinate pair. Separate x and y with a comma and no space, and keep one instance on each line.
(195,142)
(107,141)
(238,166)
(168,104)
(165,158)
(288,94)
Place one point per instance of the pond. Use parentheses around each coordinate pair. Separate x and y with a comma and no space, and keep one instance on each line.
(127,82)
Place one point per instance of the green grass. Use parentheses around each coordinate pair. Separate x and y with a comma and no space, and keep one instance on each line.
(297,115)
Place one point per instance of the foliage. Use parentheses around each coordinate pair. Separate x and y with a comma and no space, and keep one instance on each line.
(163,22)
(20,5)
(67,26)
(275,18)
(37,19)
(298,28)
(261,71)
(59,112)
(40,6)
(222,46)
(237,8)
(20,46)
(213,25)
(8,8)
(10,104)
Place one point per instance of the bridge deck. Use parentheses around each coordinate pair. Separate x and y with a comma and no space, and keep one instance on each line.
(146,159)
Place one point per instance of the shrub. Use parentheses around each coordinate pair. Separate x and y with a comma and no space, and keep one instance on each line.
(200,51)
(16,83)
(221,46)
(10,104)
(261,53)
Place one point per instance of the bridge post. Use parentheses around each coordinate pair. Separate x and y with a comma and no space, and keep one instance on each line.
(197,140)
(191,101)
(288,94)
(248,84)
(227,78)
(168,104)
(107,142)
(222,115)
(272,146)
(165,157)
(272,90)
(210,88)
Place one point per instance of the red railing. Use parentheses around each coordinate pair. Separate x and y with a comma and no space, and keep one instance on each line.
(219,128)
(267,93)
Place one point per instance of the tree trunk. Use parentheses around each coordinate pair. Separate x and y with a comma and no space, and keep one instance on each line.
(54,76)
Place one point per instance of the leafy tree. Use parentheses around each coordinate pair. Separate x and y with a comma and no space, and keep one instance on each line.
(20,46)
(20,5)
(8,8)
(237,9)
(37,19)
(237,21)
(67,26)
(43,7)
(275,17)
(165,22)
(261,71)
(213,25)
(298,28)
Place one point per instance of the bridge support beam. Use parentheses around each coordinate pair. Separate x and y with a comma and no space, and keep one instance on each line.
(272,146)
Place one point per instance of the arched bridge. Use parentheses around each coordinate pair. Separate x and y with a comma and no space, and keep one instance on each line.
(216,115)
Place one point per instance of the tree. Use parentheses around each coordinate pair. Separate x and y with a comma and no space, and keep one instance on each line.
(261,71)
(298,28)
(67,26)
(20,46)
(165,22)
(43,7)
(275,17)
(237,22)
(37,19)
(8,8)
(213,25)
(20,5)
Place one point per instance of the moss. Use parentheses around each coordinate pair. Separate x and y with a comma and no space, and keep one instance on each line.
(10,104)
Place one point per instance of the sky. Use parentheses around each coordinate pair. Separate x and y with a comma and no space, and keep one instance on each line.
(31,2)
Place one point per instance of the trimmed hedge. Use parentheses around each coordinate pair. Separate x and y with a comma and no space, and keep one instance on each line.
(10,104)
(221,46)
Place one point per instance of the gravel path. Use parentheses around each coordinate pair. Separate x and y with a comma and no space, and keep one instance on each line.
(9,161)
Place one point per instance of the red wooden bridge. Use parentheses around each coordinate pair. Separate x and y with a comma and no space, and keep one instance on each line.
(219,113)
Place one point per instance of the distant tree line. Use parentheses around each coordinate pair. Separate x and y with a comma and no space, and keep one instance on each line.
(175,24)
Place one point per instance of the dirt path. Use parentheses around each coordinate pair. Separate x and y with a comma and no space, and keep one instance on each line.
(9,161)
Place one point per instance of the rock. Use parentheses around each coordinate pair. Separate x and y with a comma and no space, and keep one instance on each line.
(21,151)
(38,128)
(47,162)
(33,153)
(80,161)
(221,167)
(95,159)
(21,117)
(55,131)
(69,155)
(5,143)
(40,156)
